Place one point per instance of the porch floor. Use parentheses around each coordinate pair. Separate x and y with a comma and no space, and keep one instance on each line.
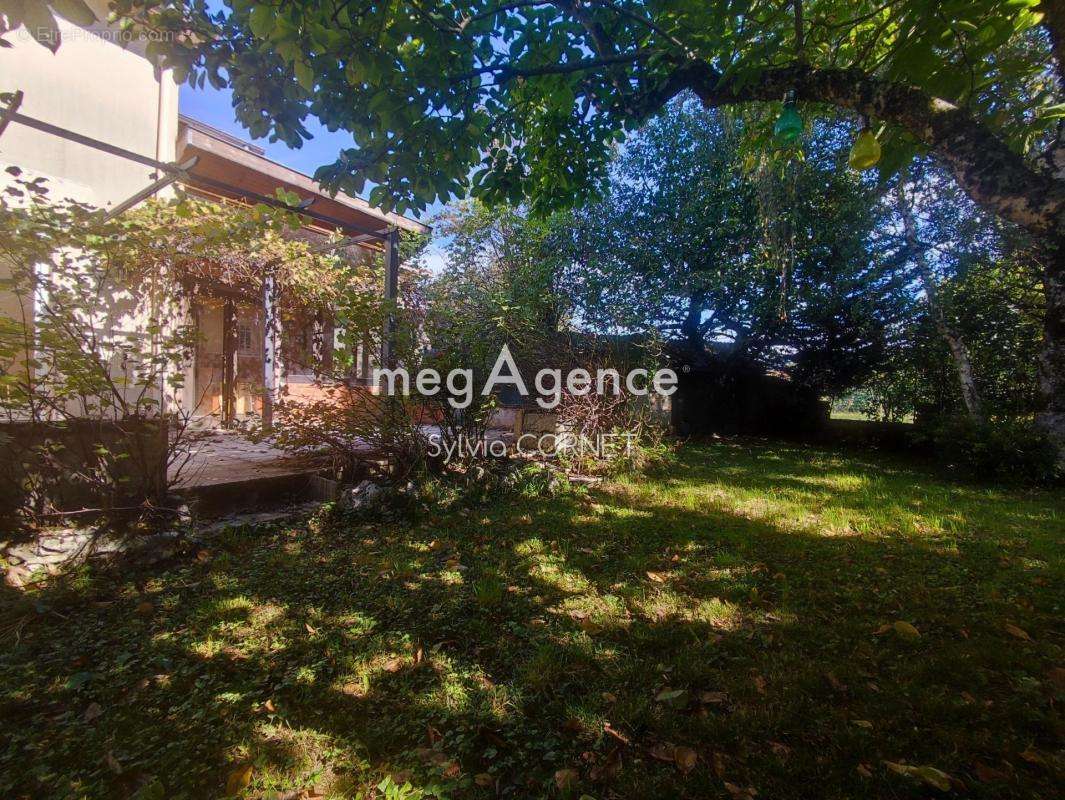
(222,457)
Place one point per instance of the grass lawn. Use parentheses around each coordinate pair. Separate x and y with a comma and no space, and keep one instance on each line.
(726,628)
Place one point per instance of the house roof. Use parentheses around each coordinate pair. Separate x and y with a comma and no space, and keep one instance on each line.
(236,169)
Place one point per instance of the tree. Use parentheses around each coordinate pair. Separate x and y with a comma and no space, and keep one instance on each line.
(531,93)
(930,285)
(719,247)
(986,293)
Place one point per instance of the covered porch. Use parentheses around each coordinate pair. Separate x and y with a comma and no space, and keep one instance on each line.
(255,347)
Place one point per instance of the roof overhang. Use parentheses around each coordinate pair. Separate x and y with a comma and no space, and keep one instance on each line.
(234,170)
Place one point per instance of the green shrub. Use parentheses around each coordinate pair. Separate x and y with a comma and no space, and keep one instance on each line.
(1005,450)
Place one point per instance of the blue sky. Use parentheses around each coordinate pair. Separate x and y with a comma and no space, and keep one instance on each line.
(215,107)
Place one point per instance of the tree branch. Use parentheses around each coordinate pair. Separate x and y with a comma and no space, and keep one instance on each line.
(506,72)
(994,176)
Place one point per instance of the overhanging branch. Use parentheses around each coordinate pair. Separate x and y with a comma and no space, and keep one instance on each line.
(994,176)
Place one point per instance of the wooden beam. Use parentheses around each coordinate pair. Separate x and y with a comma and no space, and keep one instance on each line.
(193,136)
(273,202)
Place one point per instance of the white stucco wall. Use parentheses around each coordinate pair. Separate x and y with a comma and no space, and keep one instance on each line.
(94,86)
(99,86)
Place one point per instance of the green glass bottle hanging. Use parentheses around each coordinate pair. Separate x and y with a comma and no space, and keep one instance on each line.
(865,152)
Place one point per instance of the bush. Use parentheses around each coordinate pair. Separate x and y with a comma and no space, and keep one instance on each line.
(1008,450)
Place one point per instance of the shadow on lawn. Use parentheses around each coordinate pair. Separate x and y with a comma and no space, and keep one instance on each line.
(554,634)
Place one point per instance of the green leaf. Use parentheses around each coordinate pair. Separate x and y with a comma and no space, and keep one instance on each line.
(1052,112)
(41,24)
(261,21)
(305,75)
(74,10)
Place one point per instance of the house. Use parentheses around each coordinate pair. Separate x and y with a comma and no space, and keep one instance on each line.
(101,124)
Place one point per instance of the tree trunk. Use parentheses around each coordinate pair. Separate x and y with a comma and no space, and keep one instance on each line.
(958,351)
(1052,358)
(1053,12)
(689,326)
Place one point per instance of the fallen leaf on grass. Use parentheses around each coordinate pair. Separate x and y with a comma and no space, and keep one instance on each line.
(354,689)
(1033,757)
(677,698)
(936,778)
(612,731)
(657,577)
(986,774)
(1017,633)
(864,723)
(780,750)
(239,779)
(145,608)
(685,758)
(905,630)
(269,706)
(741,792)
(566,780)
(713,698)
(452,771)
(864,771)
(588,625)
(484,780)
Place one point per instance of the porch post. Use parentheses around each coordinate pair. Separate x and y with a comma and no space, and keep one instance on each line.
(388,337)
(229,362)
(273,374)
(318,344)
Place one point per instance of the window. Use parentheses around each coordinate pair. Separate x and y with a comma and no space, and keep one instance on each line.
(244,338)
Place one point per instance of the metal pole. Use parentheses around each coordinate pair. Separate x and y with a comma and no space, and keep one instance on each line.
(8,113)
(152,188)
(300,208)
